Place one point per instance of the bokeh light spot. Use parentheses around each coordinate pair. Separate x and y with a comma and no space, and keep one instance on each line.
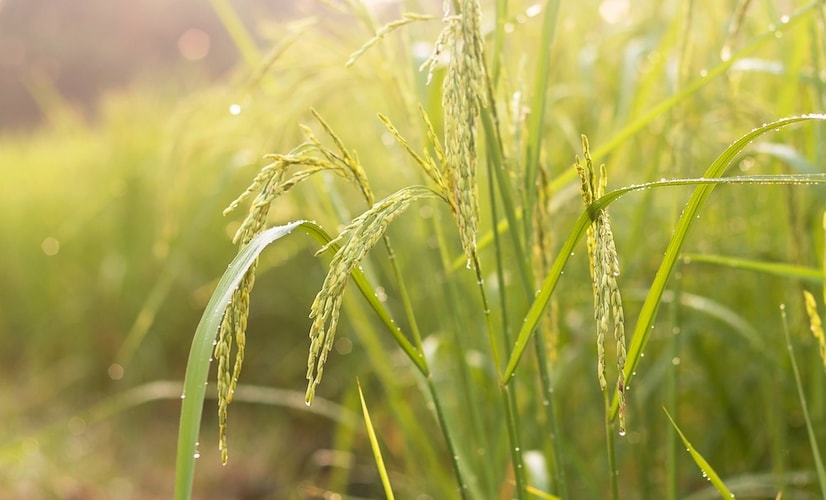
(193,44)
(50,246)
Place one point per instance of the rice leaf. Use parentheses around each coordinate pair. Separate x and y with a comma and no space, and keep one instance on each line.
(708,471)
(197,366)
(374,444)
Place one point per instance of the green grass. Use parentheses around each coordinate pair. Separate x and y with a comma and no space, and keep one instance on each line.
(481,383)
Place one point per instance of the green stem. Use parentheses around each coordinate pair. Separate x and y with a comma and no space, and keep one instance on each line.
(404,295)
(821,471)
(514,437)
(454,456)
(671,457)
(508,396)
(536,120)
(613,471)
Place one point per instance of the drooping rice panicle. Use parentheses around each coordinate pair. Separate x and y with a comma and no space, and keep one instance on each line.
(356,240)
(604,264)
(272,181)
(462,95)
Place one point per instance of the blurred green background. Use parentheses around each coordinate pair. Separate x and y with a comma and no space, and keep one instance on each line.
(119,150)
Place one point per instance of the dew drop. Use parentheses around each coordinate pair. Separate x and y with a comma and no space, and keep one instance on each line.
(783,20)
(183,396)
(622,432)
(235,109)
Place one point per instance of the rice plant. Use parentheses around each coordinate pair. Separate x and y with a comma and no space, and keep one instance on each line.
(485,316)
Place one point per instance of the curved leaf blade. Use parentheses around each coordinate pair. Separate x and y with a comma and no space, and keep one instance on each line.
(197,367)
(708,471)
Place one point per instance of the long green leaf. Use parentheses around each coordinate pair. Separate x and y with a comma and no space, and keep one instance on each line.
(775,268)
(819,467)
(536,120)
(197,367)
(704,466)
(374,444)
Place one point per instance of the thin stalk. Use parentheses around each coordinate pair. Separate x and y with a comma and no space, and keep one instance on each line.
(498,40)
(508,396)
(613,471)
(671,457)
(488,320)
(454,304)
(500,267)
(497,167)
(404,296)
(509,401)
(451,447)
(821,471)
(548,402)
(536,120)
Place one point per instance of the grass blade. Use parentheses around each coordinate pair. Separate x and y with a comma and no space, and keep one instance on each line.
(536,120)
(374,444)
(704,466)
(821,471)
(774,268)
(200,354)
